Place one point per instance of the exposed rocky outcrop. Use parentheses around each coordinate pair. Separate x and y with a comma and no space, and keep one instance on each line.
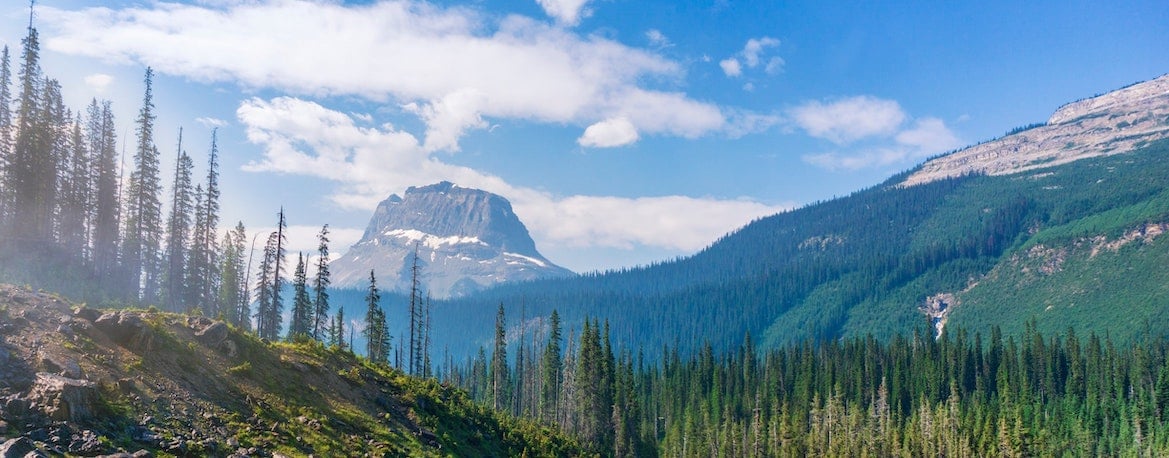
(1113,123)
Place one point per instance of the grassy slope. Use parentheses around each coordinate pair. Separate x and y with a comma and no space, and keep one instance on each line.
(297,399)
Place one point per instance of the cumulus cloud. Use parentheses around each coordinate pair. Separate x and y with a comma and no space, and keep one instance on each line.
(847,120)
(566,12)
(731,67)
(609,133)
(368,163)
(927,136)
(752,56)
(454,66)
(99,82)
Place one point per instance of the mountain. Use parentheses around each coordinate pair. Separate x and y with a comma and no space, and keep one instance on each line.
(85,382)
(466,239)
(1055,226)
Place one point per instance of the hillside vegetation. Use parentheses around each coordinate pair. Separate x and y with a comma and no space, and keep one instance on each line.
(874,262)
(82,381)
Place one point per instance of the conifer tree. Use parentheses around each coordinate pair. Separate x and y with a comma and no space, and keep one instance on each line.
(174,280)
(75,201)
(264,289)
(25,174)
(321,286)
(337,330)
(550,378)
(377,336)
(143,207)
(5,134)
(102,139)
(302,306)
(232,301)
(204,276)
(415,351)
(499,369)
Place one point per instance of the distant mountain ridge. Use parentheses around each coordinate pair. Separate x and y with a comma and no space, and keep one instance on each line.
(466,239)
(1112,123)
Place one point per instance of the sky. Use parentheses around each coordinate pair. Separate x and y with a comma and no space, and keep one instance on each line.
(623,132)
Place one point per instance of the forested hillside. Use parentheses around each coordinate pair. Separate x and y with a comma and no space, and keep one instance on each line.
(874,262)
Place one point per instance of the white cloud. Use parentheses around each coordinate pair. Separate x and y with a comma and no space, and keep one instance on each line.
(609,133)
(567,12)
(755,47)
(211,122)
(99,82)
(731,67)
(846,120)
(929,136)
(456,66)
(305,138)
(657,39)
(752,56)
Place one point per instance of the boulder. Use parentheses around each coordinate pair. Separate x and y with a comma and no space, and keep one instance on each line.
(17,448)
(86,313)
(213,334)
(63,398)
(127,329)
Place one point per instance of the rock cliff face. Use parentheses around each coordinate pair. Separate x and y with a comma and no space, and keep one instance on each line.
(1113,123)
(466,240)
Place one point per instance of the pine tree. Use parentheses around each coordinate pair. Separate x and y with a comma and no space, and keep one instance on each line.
(5,134)
(321,286)
(204,276)
(143,207)
(550,379)
(264,307)
(232,303)
(338,329)
(24,174)
(102,138)
(75,201)
(499,369)
(376,333)
(174,280)
(415,304)
(302,306)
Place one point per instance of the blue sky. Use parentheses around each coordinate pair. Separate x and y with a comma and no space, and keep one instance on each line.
(623,132)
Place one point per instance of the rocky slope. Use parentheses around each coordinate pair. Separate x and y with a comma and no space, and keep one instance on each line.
(1113,123)
(466,240)
(79,381)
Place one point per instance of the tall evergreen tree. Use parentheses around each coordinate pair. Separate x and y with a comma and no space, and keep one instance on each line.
(204,276)
(143,208)
(25,175)
(102,139)
(178,227)
(232,303)
(550,378)
(321,286)
(499,369)
(414,350)
(270,306)
(302,306)
(377,336)
(337,329)
(75,199)
(5,134)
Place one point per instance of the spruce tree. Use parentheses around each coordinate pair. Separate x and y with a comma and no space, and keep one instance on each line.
(174,280)
(550,378)
(377,336)
(5,134)
(204,276)
(233,304)
(499,368)
(321,286)
(264,307)
(23,176)
(302,307)
(143,207)
(102,138)
(76,199)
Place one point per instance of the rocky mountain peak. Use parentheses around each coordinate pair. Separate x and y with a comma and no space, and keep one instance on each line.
(1113,123)
(466,239)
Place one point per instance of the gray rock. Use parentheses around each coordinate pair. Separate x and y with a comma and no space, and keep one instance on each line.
(126,329)
(86,313)
(16,448)
(64,399)
(213,334)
